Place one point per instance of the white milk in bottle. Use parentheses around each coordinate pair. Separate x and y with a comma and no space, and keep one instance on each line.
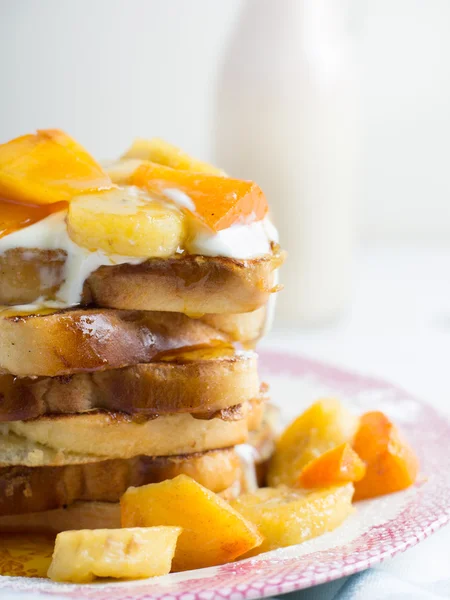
(286,117)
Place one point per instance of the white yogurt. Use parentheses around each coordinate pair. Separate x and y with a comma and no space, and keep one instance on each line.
(237,241)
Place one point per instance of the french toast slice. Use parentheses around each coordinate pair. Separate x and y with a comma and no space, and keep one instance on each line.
(190,284)
(198,381)
(64,342)
(27,489)
(89,437)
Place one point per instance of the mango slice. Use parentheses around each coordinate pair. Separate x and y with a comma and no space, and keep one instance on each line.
(213,532)
(218,202)
(48,167)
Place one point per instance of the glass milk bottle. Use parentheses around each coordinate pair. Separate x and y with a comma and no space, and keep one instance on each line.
(286,117)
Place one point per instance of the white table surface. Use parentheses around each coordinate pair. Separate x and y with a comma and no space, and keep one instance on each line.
(398,327)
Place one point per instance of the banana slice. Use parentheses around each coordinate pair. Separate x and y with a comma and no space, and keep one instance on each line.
(81,556)
(126,221)
(285,517)
(163,153)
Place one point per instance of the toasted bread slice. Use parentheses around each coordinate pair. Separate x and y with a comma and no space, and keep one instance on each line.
(190,284)
(73,439)
(28,489)
(73,341)
(199,381)
(194,285)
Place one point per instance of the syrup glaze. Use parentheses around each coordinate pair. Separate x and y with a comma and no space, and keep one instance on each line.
(15,216)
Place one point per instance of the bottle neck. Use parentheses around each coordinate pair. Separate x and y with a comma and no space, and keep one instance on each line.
(281,38)
(280,19)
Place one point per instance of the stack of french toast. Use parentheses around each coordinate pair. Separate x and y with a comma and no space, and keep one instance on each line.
(133,294)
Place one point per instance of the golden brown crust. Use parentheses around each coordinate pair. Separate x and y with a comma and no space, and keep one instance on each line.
(74,341)
(28,489)
(100,436)
(193,285)
(189,284)
(213,380)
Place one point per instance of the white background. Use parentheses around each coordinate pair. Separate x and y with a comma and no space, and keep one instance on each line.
(108,70)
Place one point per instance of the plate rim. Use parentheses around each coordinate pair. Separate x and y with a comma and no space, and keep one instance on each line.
(266,585)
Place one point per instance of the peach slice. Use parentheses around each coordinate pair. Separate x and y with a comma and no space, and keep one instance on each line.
(218,202)
(335,467)
(48,167)
(213,532)
(391,464)
(324,425)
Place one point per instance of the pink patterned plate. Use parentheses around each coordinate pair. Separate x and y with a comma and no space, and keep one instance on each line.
(377,530)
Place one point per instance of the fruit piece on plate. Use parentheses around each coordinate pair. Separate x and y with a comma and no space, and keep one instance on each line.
(48,167)
(218,202)
(336,466)
(163,153)
(125,221)
(324,425)
(391,464)
(81,556)
(286,517)
(213,532)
